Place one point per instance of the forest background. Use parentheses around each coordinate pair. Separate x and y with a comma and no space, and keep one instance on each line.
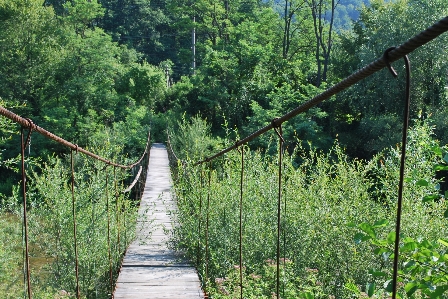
(97,72)
(81,67)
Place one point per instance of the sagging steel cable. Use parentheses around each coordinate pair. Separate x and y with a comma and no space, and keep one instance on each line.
(402,163)
(25,219)
(27,123)
(72,168)
(395,54)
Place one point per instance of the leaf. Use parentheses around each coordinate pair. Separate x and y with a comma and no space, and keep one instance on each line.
(445,158)
(410,288)
(359,237)
(307,295)
(437,150)
(352,287)
(380,223)
(408,264)
(351,224)
(443,242)
(430,197)
(439,167)
(426,244)
(370,288)
(380,250)
(445,214)
(440,290)
(391,237)
(368,229)
(422,183)
(377,273)
(411,246)
(388,285)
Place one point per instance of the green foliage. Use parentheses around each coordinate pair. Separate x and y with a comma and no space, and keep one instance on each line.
(10,255)
(98,200)
(261,285)
(423,273)
(191,139)
(81,14)
(380,97)
(323,196)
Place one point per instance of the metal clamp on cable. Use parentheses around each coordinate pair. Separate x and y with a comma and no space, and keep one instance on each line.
(386,60)
(31,125)
(278,129)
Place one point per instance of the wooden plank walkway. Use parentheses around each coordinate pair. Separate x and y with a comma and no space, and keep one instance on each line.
(150,269)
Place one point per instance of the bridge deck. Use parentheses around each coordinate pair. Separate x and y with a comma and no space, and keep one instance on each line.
(150,269)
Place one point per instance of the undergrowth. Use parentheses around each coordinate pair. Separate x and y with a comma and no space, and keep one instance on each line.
(325,197)
(51,235)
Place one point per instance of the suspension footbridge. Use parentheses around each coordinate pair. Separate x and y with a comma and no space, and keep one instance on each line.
(150,268)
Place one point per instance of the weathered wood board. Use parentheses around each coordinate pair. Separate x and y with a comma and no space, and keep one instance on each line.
(150,269)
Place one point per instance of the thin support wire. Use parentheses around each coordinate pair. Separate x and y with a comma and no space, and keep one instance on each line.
(117,210)
(241,222)
(25,220)
(284,237)
(198,254)
(108,233)
(78,293)
(206,228)
(124,207)
(280,162)
(402,165)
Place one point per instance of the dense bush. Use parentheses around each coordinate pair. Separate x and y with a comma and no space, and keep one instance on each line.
(98,200)
(323,197)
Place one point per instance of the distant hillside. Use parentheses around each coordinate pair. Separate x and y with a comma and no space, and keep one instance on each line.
(346,11)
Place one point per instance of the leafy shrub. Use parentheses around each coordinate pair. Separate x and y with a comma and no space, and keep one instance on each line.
(321,196)
(50,221)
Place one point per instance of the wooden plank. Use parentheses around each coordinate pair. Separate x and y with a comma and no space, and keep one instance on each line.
(150,269)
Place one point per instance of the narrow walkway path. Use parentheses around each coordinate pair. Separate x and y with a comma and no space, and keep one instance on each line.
(151,270)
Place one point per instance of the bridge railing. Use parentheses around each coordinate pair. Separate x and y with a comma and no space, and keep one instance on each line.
(390,55)
(138,169)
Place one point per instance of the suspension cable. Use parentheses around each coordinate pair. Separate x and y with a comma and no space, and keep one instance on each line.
(395,54)
(27,123)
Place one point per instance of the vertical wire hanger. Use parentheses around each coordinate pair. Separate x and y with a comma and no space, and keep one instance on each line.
(402,163)
(78,293)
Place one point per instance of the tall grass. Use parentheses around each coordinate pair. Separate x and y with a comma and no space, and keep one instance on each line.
(52,236)
(324,195)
